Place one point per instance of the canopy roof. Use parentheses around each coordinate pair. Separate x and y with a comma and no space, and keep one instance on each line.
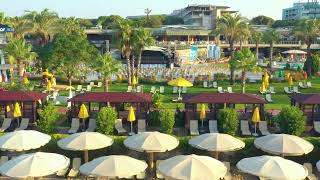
(306,98)
(21,96)
(229,98)
(113,97)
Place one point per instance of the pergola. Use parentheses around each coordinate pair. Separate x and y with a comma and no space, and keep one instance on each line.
(29,103)
(309,104)
(140,101)
(218,101)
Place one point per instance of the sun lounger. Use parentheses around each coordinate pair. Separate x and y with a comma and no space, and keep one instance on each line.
(268,98)
(309,85)
(184,90)
(220,90)
(228,175)
(92,125)
(230,90)
(139,89)
(287,90)
(263,127)
(310,176)
(92,84)
(213,126)
(205,84)
(194,131)
(271,90)
(214,84)
(24,124)
(153,89)
(141,125)
(99,84)
(209,84)
(74,171)
(316,126)
(175,90)
(54,95)
(161,90)
(89,88)
(79,88)
(6,124)
(129,89)
(301,85)
(3,159)
(119,127)
(159,176)
(75,124)
(296,90)
(245,130)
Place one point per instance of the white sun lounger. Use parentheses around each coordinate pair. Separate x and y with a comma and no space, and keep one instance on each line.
(245,130)
(296,90)
(205,84)
(271,90)
(287,91)
(24,124)
(316,126)
(6,124)
(118,126)
(175,90)
(268,98)
(92,125)
(213,126)
(310,176)
(129,89)
(79,88)
(92,84)
(184,90)
(263,127)
(74,171)
(301,85)
(309,85)
(139,89)
(194,131)
(153,89)
(141,125)
(220,90)
(89,88)
(75,124)
(214,84)
(230,90)
(99,84)
(161,90)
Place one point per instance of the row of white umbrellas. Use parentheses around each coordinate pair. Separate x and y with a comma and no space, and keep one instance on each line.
(178,167)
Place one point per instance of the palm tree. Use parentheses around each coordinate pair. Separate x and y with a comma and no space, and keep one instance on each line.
(20,25)
(71,25)
(256,37)
(245,61)
(3,18)
(141,38)
(107,66)
(229,26)
(44,24)
(271,36)
(244,34)
(125,39)
(21,52)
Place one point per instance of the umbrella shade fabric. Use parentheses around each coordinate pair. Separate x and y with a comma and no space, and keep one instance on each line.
(290,81)
(134,81)
(266,78)
(283,144)
(294,52)
(203,112)
(131,115)
(192,167)
(216,142)
(17,111)
(23,140)
(37,164)
(151,142)
(85,141)
(263,87)
(272,167)
(180,82)
(256,115)
(113,166)
(83,112)
(49,86)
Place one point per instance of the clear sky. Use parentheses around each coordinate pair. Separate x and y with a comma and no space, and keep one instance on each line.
(96,8)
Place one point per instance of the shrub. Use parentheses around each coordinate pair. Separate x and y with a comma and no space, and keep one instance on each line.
(47,118)
(315,65)
(291,120)
(166,121)
(179,118)
(157,100)
(228,121)
(106,120)
(153,118)
(221,76)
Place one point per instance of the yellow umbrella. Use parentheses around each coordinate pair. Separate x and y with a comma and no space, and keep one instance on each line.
(256,119)
(17,111)
(180,82)
(83,113)
(290,81)
(203,113)
(263,87)
(25,78)
(134,81)
(49,86)
(266,79)
(131,117)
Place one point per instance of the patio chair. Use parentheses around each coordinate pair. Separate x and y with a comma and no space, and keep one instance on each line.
(214,84)
(153,89)
(287,90)
(213,126)
(75,124)
(296,90)
(158,174)
(175,90)
(268,98)
(6,124)
(92,125)
(220,90)
(228,175)
(184,90)
(309,85)
(230,90)
(301,85)
(205,84)
(139,89)
(3,159)
(161,90)
(245,130)
(129,89)
(316,126)
(79,88)
(194,131)
(24,124)
(263,127)
(118,126)
(310,176)
(99,84)
(141,125)
(74,171)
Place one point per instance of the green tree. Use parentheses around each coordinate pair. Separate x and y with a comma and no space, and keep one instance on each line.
(153,21)
(262,20)
(228,121)
(107,66)
(245,61)
(271,36)
(106,120)
(166,121)
(3,18)
(315,65)
(48,118)
(229,25)
(291,120)
(157,100)
(172,20)
(70,54)
(110,22)
(20,25)
(256,37)
(71,25)
(244,35)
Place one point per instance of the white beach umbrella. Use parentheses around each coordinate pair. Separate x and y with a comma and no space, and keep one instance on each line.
(23,140)
(216,142)
(151,142)
(273,167)
(294,52)
(283,144)
(34,165)
(192,167)
(113,166)
(85,141)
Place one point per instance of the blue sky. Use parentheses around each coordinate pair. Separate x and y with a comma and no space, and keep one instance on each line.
(95,8)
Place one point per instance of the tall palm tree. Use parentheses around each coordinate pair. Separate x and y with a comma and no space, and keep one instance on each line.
(71,25)
(141,38)
(256,37)
(271,36)
(244,34)
(229,25)
(125,39)
(3,18)
(20,25)
(107,66)
(44,24)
